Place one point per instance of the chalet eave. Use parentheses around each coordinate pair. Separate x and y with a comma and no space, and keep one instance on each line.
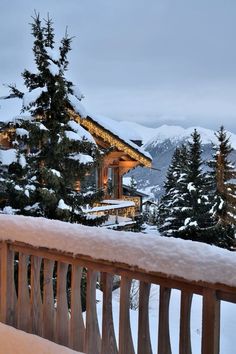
(113,140)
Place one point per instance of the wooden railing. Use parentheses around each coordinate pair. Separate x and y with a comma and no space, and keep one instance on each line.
(40,291)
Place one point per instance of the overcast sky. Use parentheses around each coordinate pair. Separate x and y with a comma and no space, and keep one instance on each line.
(150,61)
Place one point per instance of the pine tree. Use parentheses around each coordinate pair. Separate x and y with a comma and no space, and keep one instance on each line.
(196,185)
(56,157)
(187,209)
(223,190)
(222,173)
(170,210)
(133,185)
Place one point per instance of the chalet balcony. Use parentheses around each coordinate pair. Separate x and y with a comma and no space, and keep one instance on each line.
(46,265)
(120,212)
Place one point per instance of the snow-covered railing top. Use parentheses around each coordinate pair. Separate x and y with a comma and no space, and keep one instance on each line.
(170,257)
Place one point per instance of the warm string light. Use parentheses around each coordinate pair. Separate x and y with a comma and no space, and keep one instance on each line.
(136,200)
(93,128)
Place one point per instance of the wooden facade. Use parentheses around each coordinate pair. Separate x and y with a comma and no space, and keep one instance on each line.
(119,157)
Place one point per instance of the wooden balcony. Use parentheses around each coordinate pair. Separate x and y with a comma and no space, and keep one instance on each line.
(120,211)
(43,262)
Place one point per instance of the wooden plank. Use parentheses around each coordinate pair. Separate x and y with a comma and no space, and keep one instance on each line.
(62,312)
(144,341)
(185,324)
(77,329)
(7,301)
(23,305)
(35,296)
(48,301)
(92,336)
(210,323)
(109,344)
(164,346)
(126,345)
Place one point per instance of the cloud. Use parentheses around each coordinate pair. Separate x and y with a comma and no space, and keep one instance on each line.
(149,61)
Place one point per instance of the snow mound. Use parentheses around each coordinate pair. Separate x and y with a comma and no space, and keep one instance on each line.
(18,342)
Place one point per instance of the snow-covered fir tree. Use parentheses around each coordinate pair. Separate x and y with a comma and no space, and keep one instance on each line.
(223,176)
(185,209)
(55,155)
(170,210)
(196,198)
(133,185)
(222,190)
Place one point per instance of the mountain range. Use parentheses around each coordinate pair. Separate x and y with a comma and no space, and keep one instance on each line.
(161,143)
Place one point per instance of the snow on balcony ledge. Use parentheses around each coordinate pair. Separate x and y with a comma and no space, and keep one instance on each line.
(191,261)
(18,342)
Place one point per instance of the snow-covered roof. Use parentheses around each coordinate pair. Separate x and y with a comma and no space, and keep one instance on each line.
(192,261)
(121,132)
(10,109)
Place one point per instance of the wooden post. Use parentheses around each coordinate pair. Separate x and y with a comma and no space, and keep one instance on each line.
(144,341)
(36,299)
(125,337)
(92,336)
(77,329)
(48,301)
(108,334)
(62,312)
(164,330)
(7,285)
(23,305)
(210,323)
(185,317)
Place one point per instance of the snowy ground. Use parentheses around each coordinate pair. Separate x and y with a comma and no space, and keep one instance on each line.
(228,321)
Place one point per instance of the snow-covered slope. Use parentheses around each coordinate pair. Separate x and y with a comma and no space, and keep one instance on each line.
(174,133)
(161,143)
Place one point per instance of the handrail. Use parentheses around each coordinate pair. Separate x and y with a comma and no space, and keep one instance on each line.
(40,290)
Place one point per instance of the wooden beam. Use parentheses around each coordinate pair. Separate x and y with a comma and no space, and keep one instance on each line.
(128,164)
(115,154)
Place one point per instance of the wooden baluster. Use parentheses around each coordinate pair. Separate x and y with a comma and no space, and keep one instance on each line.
(77,329)
(23,305)
(108,334)
(185,327)
(164,331)
(7,296)
(62,312)
(36,299)
(125,336)
(144,341)
(92,336)
(210,323)
(48,301)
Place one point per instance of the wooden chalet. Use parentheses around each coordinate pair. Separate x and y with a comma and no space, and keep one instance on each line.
(120,153)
